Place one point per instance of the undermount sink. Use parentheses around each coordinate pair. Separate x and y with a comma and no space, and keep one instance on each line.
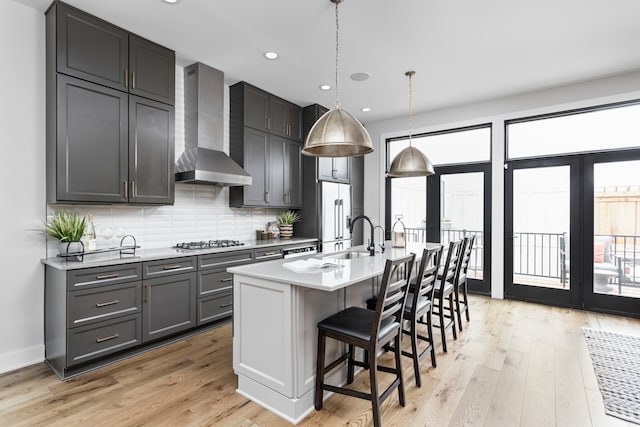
(348,255)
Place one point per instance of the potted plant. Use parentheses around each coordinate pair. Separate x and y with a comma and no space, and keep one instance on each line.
(68,228)
(285,223)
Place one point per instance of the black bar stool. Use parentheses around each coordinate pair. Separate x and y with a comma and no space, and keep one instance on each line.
(444,291)
(461,280)
(369,330)
(418,309)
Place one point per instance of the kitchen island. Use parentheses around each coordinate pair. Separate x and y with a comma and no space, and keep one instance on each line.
(276,310)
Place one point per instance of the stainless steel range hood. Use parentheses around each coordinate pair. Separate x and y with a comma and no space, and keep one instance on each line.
(203,161)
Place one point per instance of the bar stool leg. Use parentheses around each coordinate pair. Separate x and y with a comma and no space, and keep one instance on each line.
(458,307)
(398,351)
(453,316)
(373,378)
(319,393)
(350,367)
(414,351)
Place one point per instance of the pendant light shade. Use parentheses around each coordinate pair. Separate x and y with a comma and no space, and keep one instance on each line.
(410,161)
(337,133)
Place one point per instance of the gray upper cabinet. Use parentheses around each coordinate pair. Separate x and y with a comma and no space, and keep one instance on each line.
(105,145)
(273,160)
(152,70)
(151,151)
(90,48)
(91,154)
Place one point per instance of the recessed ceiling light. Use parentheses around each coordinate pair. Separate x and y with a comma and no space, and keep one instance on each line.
(365,109)
(271,55)
(170,1)
(325,87)
(359,77)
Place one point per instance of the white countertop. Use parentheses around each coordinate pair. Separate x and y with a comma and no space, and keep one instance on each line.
(351,271)
(114,258)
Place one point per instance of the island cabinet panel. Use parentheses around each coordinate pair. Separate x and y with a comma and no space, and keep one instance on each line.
(266,323)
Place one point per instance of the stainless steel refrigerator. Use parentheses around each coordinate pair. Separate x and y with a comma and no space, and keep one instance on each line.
(335,208)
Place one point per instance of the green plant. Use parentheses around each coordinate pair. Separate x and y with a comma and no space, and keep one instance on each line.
(65,226)
(288,217)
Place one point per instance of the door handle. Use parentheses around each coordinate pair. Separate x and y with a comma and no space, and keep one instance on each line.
(335,219)
(126,189)
(126,78)
(133,79)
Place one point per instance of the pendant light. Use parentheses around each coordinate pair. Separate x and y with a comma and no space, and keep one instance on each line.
(337,133)
(410,161)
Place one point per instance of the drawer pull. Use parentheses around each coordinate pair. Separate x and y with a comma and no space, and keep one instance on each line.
(172,267)
(226,305)
(104,304)
(110,337)
(228,279)
(270,253)
(107,276)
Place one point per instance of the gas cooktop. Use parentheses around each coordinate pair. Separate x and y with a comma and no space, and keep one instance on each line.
(210,244)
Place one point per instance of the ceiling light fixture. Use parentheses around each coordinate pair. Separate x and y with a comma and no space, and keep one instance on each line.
(271,55)
(170,1)
(359,77)
(365,109)
(410,161)
(324,87)
(337,133)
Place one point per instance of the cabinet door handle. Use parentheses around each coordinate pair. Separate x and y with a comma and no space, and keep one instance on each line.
(126,189)
(266,196)
(226,305)
(270,253)
(107,276)
(126,78)
(104,304)
(268,122)
(172,267)
(146,293)
(133,79)
(110,337)
(228,279)
(133,190)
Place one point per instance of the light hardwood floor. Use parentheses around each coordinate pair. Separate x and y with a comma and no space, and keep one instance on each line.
(514,364)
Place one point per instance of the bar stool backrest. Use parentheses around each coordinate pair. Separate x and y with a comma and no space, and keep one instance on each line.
(427,273)
(451,263)
(392,294)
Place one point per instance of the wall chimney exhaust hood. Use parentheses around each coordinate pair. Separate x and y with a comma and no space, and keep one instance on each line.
(203,161)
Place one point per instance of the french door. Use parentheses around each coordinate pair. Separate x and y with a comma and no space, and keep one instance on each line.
(571,231)
(458,206)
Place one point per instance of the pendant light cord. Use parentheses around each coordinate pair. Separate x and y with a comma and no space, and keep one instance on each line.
(337,56)
(410,74)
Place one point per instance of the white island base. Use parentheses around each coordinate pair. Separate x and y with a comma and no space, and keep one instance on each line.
(275,317)
(275,340)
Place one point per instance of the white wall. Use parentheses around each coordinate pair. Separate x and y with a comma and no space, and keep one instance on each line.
(22,178)
(613,89)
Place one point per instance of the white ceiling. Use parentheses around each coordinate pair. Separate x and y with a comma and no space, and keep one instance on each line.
(462,51)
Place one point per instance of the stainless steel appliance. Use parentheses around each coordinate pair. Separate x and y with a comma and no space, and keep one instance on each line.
(302,250)
(336,211)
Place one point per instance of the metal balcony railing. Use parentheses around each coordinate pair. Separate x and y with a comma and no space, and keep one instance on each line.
(544,254)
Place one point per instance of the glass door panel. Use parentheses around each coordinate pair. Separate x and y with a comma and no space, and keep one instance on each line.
(541,225)
(409,203)
(616,231)
(462,214)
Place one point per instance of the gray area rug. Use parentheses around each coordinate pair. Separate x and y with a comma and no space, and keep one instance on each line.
(616,362)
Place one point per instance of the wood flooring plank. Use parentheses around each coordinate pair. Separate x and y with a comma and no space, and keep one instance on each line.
(514,364)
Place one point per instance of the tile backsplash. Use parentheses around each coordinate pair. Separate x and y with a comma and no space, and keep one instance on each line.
(199,211)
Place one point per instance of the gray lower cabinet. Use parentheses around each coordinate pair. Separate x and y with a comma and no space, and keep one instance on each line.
(215,284)
(170,296)
(90,314)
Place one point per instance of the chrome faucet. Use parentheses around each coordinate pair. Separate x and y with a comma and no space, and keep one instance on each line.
(372,246)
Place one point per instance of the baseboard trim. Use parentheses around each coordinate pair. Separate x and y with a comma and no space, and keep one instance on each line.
(21,358)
